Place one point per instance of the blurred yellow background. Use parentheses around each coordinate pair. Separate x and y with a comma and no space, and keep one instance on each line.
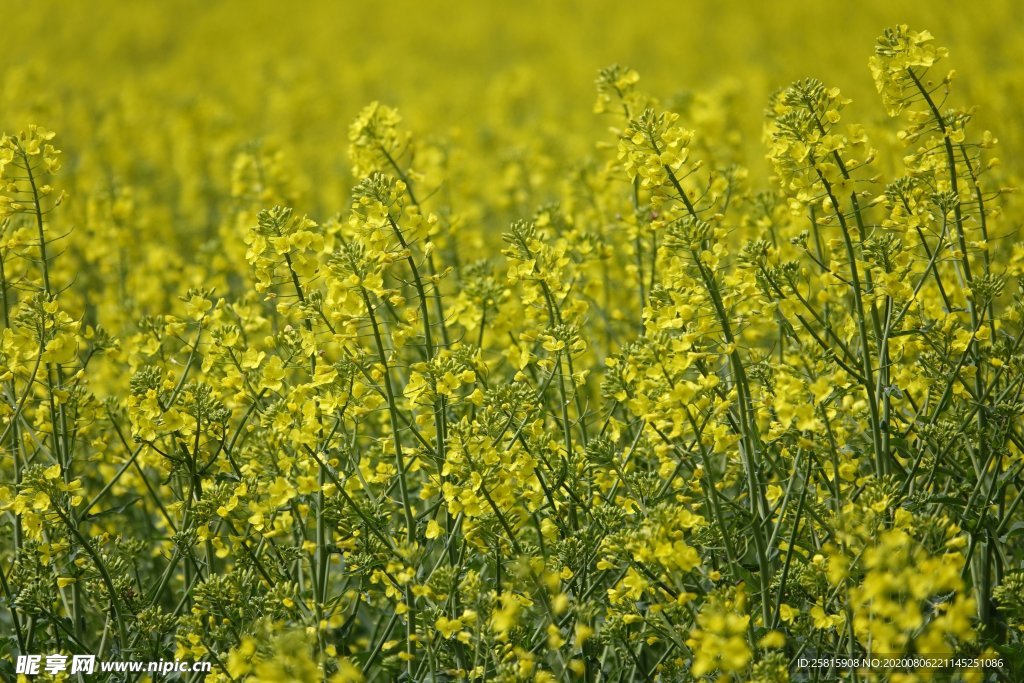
(300,71)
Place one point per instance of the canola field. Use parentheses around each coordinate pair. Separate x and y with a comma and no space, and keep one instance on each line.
(577,341)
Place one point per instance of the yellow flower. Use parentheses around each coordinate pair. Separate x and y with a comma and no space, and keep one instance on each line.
(448,627)
(273,374)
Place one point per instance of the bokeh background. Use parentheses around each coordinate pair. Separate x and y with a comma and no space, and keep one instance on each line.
(210,74)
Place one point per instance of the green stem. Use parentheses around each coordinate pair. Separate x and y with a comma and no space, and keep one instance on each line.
(410,521)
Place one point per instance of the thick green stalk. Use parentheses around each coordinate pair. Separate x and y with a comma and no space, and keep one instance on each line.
(410,521)
(749,437)
(881,464)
